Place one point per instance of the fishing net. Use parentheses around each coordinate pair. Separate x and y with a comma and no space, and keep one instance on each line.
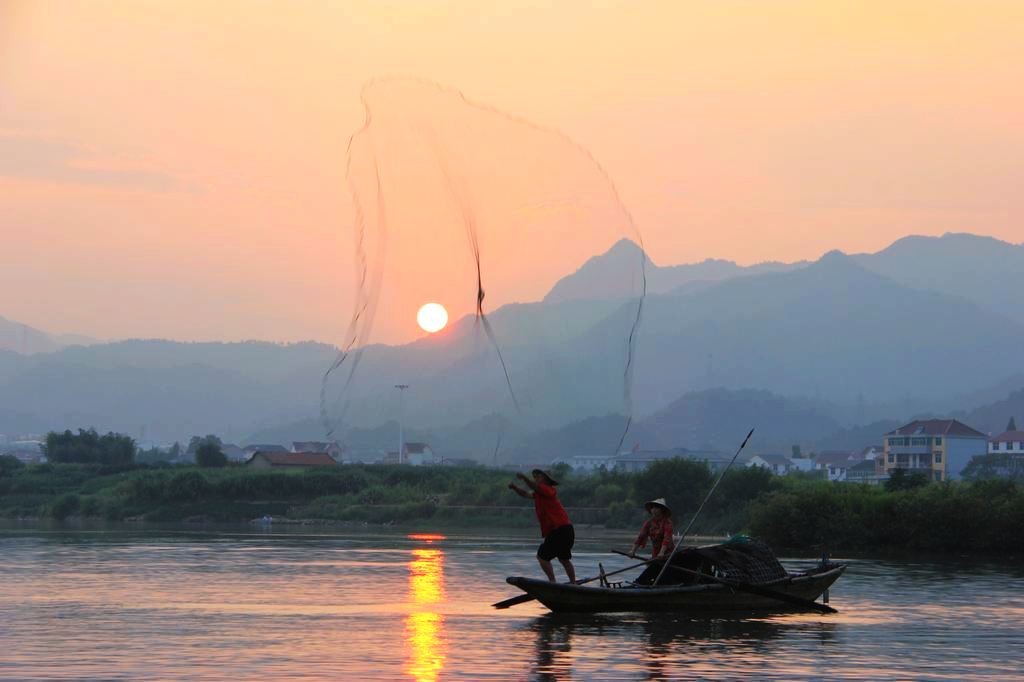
(491,216)
(749,562)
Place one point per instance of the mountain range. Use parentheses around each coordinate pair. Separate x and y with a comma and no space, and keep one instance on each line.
(928,325)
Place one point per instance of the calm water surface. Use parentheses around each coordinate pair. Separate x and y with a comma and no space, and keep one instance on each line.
(264,605)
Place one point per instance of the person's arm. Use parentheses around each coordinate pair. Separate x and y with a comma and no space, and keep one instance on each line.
(666,541)
(641,539)
(527,480)
(519,491)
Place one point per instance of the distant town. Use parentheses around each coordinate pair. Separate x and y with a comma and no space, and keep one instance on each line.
(936,449)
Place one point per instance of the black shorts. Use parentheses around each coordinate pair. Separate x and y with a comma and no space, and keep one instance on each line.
(558,543)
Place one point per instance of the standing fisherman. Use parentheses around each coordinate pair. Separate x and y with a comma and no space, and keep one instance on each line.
(555,526)
(658,529)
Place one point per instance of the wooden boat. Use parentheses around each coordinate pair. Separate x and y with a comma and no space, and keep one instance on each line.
(713,579)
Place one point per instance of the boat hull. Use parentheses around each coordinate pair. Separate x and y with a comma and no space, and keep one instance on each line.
(711,597)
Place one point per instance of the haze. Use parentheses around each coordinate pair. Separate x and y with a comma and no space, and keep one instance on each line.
(176,169)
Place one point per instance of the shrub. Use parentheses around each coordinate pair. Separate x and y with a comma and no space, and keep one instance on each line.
(9,464)
(186,486)
(210,455)
(64,506)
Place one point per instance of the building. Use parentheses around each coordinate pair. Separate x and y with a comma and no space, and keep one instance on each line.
(1009,442)
(291,460)
(263,447)
(776,463)
(938,448)
(416,454)
(638,460)
(28,451)
(592,462)
(234,453)
(332,448)
(864,472)
(835,465)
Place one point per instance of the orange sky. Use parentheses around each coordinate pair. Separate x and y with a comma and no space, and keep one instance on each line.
(176,169)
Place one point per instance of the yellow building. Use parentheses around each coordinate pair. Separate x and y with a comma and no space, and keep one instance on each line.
(938,448)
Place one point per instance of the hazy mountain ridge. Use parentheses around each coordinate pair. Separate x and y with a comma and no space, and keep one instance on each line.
(21,338)
(834,330)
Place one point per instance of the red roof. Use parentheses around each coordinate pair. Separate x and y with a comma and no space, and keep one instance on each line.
(296,459)
(1009,437)
(936,427)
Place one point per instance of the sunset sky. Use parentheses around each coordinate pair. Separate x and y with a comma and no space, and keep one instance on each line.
(177,169)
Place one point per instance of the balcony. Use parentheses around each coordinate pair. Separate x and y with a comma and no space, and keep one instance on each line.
(910,449)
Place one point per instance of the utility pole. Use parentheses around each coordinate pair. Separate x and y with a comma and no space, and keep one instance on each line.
(401,442)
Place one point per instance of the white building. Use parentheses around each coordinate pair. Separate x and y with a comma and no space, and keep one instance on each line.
(776,463)
(836,464)
(592,462)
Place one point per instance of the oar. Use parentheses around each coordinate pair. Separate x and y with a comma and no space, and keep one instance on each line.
(754,589)
(526,597)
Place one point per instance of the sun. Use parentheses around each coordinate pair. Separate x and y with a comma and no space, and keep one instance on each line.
(432,317)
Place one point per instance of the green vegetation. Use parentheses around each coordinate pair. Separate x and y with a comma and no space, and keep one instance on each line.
(87,447)
(788,512)
(209,455)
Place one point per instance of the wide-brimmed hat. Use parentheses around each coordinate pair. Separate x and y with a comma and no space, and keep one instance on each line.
(661,503)
(551,479)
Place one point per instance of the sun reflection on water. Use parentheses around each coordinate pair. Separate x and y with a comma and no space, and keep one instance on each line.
(424,628)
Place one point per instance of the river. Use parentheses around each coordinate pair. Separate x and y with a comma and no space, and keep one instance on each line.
(265,604)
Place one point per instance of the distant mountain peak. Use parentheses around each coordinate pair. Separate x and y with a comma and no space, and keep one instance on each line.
(610,275)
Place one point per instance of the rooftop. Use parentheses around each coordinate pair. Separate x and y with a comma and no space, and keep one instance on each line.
(937,427)
(301,459)
(1009,437)
(774,459)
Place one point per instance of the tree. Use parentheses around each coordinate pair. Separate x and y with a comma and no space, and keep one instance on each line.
(88,447)
(196,441)
(901,479)
(9,464)
(1012,425)
(682,482)
(209,454)
(175,451)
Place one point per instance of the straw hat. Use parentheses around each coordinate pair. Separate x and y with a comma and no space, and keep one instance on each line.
(551,480)
(661,503)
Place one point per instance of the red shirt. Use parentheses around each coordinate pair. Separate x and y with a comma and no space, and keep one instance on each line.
(660,533)
(550,511)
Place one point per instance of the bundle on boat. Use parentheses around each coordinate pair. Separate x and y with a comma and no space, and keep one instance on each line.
(741,559)
(742,574)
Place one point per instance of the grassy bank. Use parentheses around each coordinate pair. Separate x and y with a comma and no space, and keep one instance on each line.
(785,511)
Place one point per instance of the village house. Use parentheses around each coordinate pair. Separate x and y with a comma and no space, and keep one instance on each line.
(263,447)
(331,448)
(291,460)
(938,448)
(774,462)
(835,464)
(416,454)
(1009,442)
(592,462)
(234,453)
(639,460)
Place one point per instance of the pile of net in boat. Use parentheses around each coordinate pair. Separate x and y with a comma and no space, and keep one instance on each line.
(741,559)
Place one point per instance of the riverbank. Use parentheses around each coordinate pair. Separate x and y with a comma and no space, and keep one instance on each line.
(785,511)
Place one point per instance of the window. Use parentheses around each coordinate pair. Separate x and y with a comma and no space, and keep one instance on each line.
(938,440)
(938,458)
(919,441)
(1006,445)
(892,458)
